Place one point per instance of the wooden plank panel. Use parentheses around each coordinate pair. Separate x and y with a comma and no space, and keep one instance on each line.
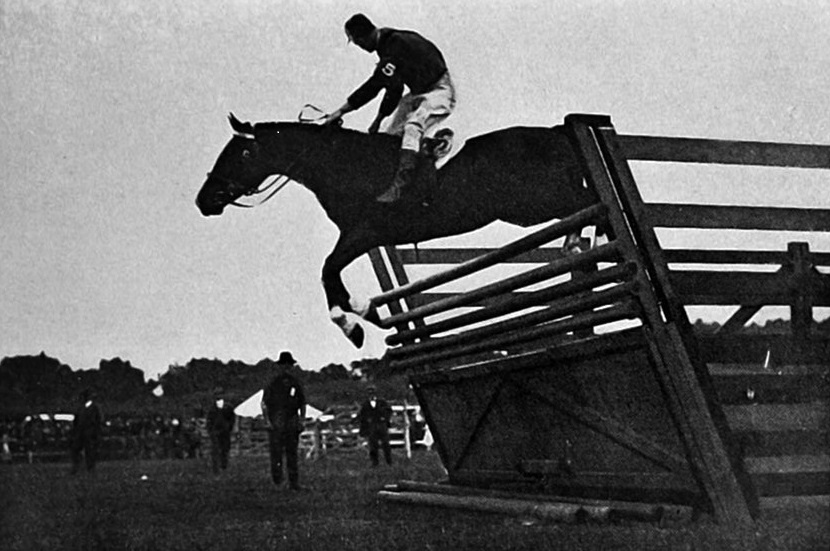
(677,215)
(770,387)
(694,150)
(733,256)
(778,417)
(783,443)
(790,475)
(725,256)
(704,287)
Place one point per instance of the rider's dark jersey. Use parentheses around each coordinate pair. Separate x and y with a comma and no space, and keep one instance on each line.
(407,58)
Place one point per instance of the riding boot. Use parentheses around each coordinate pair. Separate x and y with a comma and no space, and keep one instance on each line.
(407,164)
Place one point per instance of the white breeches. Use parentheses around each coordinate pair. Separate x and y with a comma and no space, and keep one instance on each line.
(418,114)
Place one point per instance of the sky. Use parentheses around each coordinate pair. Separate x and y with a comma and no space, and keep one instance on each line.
(112,112)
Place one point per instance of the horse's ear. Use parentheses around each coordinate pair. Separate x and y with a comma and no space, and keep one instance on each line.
(240,127)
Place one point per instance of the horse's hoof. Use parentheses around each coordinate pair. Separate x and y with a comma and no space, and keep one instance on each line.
(356,336)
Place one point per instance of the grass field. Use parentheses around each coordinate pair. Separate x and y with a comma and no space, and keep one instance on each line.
(182,505)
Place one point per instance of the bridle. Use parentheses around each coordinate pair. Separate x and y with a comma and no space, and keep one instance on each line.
(237,190)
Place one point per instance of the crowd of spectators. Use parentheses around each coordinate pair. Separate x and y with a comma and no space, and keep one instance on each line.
(46,437)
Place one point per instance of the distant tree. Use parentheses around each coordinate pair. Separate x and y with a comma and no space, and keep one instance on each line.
(335,372)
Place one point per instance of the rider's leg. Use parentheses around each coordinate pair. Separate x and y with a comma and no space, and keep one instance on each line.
(420,113)
(411,161)
(407,163)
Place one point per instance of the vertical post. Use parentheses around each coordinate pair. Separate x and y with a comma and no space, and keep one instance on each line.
(801,303)
(584,245)
(407,440)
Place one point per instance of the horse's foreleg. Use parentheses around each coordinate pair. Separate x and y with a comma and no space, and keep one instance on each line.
(340,304)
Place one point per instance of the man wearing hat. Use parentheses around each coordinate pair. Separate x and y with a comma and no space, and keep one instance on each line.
(283,407)
(86,432)
(220,422)
(406,58)
(374,418)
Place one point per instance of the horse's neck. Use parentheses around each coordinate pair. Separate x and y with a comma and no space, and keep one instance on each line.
(334,165)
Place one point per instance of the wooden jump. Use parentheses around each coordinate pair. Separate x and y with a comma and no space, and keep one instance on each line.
(531,383)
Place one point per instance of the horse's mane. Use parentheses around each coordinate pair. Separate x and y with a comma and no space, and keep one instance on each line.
(326,131)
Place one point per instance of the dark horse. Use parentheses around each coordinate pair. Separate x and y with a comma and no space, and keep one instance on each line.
(520,175)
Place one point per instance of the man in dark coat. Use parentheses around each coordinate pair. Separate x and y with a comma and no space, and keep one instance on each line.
(220,422)
(283,407)
(86,432)
(374,419)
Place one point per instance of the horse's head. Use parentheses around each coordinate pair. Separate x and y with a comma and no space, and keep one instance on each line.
(238,171)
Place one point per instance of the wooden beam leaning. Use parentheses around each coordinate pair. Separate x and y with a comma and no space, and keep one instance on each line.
(448,347)
(604,253)
(556,230)
(509,304)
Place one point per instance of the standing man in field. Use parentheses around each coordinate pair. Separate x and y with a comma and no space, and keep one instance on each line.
(374,418)
(283,407)
(220,423)
(86,432)
(406,59)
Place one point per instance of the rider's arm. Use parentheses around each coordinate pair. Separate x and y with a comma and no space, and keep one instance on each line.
(394,91)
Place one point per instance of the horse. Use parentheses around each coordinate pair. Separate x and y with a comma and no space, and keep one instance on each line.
(520,175)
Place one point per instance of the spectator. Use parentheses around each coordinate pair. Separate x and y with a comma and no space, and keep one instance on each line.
(220,423)
(374,419)
(283,408)
(86,431)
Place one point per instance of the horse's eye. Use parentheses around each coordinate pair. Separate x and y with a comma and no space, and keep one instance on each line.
(246,154)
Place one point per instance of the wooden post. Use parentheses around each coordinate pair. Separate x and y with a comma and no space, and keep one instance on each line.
(579,273)
(801,307)
(407,440)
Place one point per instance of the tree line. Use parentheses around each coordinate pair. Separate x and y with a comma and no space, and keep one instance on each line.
(40,383)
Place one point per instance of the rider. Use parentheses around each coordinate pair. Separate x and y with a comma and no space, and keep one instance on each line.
(406,58)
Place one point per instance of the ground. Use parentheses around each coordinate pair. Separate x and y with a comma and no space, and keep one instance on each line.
(180,504)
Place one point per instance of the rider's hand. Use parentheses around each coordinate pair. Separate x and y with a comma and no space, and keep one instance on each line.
(333,119)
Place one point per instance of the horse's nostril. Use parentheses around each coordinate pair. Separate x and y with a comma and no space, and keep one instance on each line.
(208,209)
